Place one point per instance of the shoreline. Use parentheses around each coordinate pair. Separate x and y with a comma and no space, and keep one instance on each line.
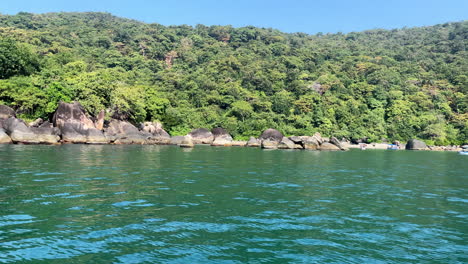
(72,125)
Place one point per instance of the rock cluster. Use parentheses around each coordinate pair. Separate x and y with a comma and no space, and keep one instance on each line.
(72,124)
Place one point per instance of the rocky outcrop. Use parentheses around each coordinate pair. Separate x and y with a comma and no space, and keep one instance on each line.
(158,134)
(99,124)
(122,132)
(177,140)
(271,135)
(221,137)
(312,143)
(286,143)
(78,134)
(75,125)
(201,136)
(4,138)
(326,146)
(71,113)
(46,135)
(415,144)
(253,142)
(337,143)
(36,123)
(187,142)
(6,112)
(238,143)
(19,132)
(155,129)
(222,142)
(269,144)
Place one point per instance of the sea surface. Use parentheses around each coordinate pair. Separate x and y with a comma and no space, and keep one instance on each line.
(164,204)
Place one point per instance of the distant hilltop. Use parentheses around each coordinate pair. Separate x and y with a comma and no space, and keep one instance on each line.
(376,85)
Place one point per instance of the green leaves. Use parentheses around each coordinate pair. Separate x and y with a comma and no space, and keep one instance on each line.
(376,84)
(16,59)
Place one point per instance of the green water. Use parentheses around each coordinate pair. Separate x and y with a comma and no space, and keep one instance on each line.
(164,204)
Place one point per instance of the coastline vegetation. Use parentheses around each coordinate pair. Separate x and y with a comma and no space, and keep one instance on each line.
(393,84)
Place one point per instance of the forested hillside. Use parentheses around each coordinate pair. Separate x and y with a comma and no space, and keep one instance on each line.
(393,84)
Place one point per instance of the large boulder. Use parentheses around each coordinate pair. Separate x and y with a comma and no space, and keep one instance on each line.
(187,142)
(155,129)
(4,138)
(286,143)
(253,142)
(201,136)
(329,147)
(6,112)
(271,135)
(318,137)
(415,144)
(337,143)
(122,132)
(79,134)
(71,113)
(311,143)
(47,135)
(238,143)
(222,142)
(221,137)
(76,126)
(269,144)
(19,132)
(36,123)
(177,140)
(297,140)
(220,132)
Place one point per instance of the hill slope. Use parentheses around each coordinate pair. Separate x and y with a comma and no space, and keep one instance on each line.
(393,84)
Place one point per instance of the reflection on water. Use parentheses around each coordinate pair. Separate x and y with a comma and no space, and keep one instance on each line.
(163,204)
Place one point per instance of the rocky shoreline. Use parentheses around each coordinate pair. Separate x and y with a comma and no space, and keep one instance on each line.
(72,125)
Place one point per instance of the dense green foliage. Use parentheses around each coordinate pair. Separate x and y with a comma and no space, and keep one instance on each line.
(393,84)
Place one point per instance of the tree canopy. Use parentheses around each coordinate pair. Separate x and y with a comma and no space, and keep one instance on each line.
(392,84)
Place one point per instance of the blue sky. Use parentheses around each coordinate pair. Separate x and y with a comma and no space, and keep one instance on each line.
(289,15)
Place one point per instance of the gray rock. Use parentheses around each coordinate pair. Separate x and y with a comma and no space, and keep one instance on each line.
(415,144)
(222,142)
(19,132)
(187,142)
(80,134)
(201,136)
(311,143)
(337,143)
(253,142)
(297,139)
(122,132)
(271,135)
(239,143)
(36,123)
(177,140)
(286,143)
(47,135)
(6,112)
(269,144)
(318,137)
(155,129)
(326,146)
(4,138)
(71,113)
(220,132)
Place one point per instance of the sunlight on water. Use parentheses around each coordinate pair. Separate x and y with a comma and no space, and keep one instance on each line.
(161,204)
